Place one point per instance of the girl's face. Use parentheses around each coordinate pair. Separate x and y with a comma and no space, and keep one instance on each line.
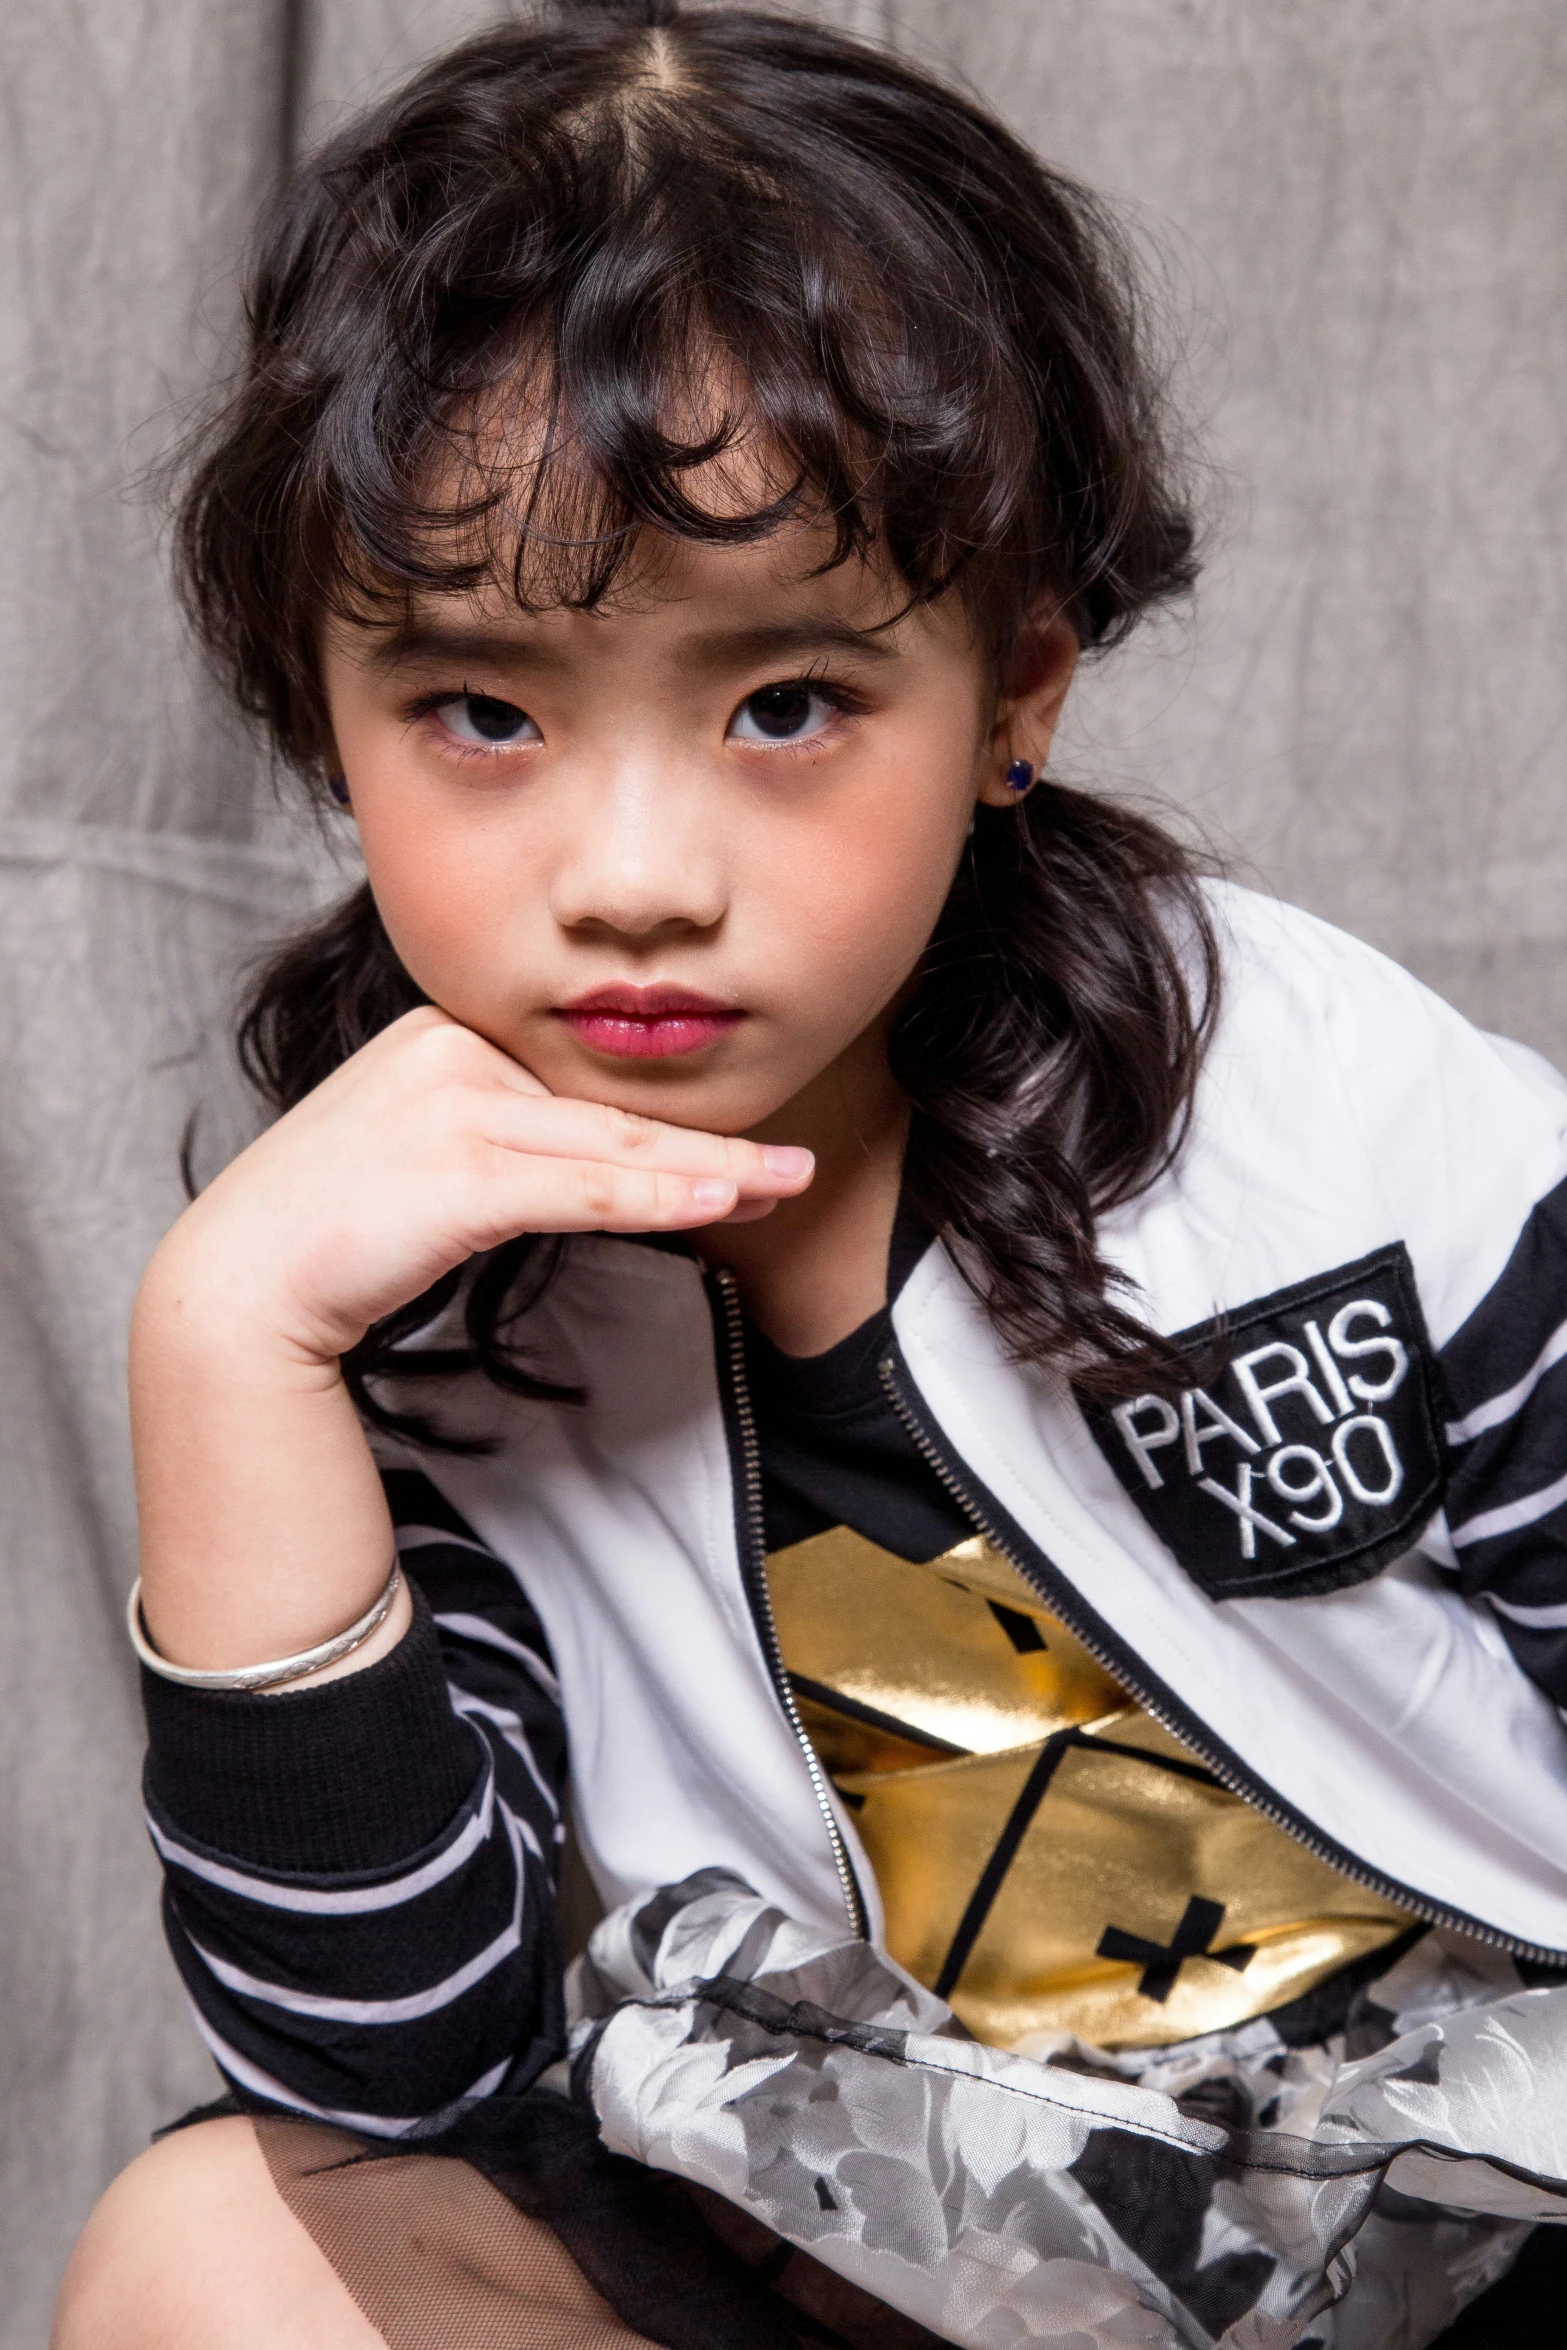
(680,856)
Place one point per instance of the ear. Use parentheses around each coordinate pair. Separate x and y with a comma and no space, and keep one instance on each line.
(1034,683)
(332,767)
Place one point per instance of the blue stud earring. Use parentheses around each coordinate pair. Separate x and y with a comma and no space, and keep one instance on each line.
(337,785)
(1020,775)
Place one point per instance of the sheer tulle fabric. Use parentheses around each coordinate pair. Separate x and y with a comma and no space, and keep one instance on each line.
(434,2255)
(573,2251)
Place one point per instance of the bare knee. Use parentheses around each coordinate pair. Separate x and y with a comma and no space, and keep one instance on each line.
(192,2248)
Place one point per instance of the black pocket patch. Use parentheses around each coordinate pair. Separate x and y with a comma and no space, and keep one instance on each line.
(1310,1456)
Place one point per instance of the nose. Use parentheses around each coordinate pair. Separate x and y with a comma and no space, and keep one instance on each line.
(644,854)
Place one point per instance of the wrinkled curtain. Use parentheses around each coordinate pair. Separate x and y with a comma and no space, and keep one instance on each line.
(144,856)
(1358,213)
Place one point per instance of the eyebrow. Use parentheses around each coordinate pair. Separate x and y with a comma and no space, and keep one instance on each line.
(813,632)
(425,640)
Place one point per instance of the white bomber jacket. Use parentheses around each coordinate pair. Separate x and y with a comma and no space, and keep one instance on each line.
(1336,1566)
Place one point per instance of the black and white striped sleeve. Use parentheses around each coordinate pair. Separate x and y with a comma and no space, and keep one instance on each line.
(1505,1532)
(360,1878)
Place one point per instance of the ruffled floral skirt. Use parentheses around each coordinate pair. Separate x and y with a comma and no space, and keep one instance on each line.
(769,2140)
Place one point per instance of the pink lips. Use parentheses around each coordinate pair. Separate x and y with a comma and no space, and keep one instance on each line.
(647,1023)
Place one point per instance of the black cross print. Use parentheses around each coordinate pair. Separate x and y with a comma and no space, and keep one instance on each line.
(1162,1963)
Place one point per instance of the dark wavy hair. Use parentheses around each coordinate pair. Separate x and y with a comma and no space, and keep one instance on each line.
(590,220)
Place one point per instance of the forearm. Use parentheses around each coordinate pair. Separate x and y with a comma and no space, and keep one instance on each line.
(359,1927)
(264,1529)
(360,1894)
(361,1875)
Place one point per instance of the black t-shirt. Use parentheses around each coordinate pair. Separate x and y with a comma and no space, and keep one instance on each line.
(834,1451)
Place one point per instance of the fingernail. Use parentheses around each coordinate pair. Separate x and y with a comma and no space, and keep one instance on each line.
(713,1191)
(782,1158)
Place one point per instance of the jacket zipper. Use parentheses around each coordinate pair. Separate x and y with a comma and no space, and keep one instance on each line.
(754,1565)
(1058,1593)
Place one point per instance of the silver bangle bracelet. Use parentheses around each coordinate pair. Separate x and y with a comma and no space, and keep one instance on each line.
(267,1676)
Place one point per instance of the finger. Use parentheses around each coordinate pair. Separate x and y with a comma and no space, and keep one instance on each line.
(630,1199)
(551,1127)
(537,1193)
(748,1211)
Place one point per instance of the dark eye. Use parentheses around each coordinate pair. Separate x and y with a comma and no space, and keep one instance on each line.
(484,718)
(781,713)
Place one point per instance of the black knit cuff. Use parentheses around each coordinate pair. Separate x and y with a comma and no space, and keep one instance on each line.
(358,1773)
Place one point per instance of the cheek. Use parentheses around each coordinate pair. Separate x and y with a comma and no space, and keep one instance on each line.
(851,906)
(446,908)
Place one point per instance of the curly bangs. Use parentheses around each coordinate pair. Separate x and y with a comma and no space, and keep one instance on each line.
(584,268)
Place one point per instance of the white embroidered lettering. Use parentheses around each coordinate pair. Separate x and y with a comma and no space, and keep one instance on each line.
(1318,1481)
(1217,1423)
(1240,1502)
(1377,1495)
(1140,1442)
(1369,1391)
(1296,1381)
(1332,1376)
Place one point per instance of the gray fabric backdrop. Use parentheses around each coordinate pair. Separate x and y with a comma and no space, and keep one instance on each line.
(1359,208)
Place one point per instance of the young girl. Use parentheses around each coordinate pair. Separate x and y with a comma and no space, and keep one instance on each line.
(990,1412)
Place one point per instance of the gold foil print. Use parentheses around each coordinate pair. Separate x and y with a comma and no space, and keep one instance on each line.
(922,1645)
(848,1745)
(896,1654)
(1115,1842)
